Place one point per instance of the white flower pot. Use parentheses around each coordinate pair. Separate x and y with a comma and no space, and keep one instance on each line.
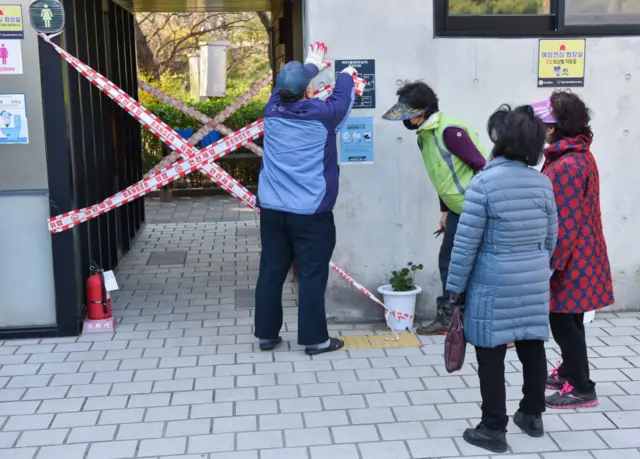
(400,302)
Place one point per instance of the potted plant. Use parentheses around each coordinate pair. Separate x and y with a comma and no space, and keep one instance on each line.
(401,294)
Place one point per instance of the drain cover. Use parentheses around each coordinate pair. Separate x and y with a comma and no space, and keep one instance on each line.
(245,299)
(167,258)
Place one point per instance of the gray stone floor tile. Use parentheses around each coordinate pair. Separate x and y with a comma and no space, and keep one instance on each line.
(183,379)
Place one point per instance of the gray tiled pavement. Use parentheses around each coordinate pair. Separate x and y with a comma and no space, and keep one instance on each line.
(181,378)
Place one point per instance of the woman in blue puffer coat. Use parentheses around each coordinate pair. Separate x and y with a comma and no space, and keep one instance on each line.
(500,261)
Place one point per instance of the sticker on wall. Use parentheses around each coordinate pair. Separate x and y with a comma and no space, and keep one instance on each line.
(13,119)
(366,69)
(10,57)
(11,23)
(356,141)
(561,63)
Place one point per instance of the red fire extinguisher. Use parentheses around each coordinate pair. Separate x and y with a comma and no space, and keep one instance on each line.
(98,300)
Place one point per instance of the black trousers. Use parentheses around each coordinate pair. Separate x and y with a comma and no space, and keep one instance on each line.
(568,331)
(492,382)
(444,257)
(309,240)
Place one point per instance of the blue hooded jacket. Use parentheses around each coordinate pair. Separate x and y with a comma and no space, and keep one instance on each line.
(300,172)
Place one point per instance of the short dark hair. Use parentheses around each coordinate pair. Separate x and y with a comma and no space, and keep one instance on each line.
(419,95)
(517,134)
(572,115)
(289,97)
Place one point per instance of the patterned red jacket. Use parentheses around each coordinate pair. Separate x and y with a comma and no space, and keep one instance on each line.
(582,279)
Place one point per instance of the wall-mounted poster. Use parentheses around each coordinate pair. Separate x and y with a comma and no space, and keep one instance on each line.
(356,141)
(13,119)
(561,63)
(11,23)
(367,70)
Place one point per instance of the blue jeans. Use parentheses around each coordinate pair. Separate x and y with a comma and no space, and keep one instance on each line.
(444,258)
(309,240)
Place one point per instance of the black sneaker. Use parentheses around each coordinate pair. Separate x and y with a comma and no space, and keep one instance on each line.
(529,423)
(554,380)
(569,397)
(491,440)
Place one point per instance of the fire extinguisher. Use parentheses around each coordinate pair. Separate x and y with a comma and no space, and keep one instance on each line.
(98,300)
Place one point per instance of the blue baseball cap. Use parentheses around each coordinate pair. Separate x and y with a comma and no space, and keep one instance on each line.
(295,77)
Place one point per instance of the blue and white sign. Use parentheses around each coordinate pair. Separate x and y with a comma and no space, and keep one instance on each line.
(13,119)
(356,141)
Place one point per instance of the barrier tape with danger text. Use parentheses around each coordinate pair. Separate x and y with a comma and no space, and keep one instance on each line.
(198,116)
(209,123)
(325,92)
(194,159)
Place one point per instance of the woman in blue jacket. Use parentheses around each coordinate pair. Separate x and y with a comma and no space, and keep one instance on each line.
(500,261)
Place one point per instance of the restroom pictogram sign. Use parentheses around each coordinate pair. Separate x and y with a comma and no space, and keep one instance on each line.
(10,57)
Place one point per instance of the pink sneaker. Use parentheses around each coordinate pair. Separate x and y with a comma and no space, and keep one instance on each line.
(554,381)
(569,397)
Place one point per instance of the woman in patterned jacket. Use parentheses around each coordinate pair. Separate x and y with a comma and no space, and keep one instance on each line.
(580,271)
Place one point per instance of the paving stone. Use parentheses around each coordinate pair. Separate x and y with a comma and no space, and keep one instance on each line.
(235,424)
(211,410)
(590,421)
(8,439)
(442,447)
(91,434)
(281,421)
(42,437)
(343,402)
(522,443)
(371,415)
(112,450)
(355,434)
(18,453)
(578,440)
(253,440)
(17,408)
(284,453)
(138,431)
(307,437)
(384,450)
(123,416)
(402,431)
(626,438)
(211,443)
(163,446)
(188,428)
(28,422)
(341,451)
(326,419)
(63,451)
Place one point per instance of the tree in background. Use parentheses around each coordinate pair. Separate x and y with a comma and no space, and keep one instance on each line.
(498,6)
(164,42)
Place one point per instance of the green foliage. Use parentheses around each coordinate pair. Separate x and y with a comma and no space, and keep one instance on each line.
(497,6)
(403,280)
(246,171)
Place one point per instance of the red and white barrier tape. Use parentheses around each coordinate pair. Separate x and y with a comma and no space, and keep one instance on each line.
(195,159)
(209,123)
(199,116)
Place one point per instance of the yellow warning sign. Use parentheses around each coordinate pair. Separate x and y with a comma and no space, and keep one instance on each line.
(11,23)
(380,341)
(561,63)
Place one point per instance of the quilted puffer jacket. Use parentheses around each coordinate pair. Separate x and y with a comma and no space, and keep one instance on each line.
(506,236)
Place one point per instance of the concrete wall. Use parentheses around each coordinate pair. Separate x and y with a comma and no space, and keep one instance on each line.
(25,242)
(388,211)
